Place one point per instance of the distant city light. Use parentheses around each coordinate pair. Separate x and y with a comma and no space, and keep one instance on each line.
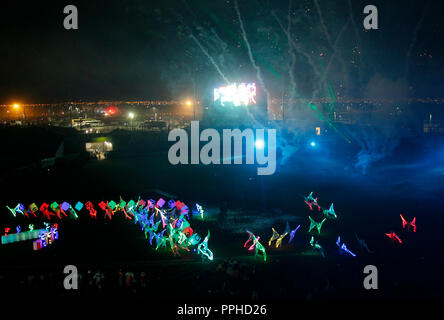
(259,144)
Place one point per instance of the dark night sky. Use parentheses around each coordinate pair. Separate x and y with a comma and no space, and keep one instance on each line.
(122,47)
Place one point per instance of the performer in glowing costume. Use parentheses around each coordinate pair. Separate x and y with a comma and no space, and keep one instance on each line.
(330,212)
(46,213)
(276,237)
(200,210)
(310,201)
(343,247)
(292,233)
(256,245)
(393,236)
(202,248)
(407,224)
(317,225)
(90,207)
(317,246)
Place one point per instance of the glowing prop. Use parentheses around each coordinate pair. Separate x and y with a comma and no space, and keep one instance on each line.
(160,203)
(18,229)
(259,248)
(330,212)
(160,239)
(162,217)
(171,203)
(12,211)
(33,209)
(78,206)
(393,236)
(56,209)
(317,225)
(317,246)
(7,231)
(255,245)
(21,236)
(250,238)
(188,231)
(65,206)
(202,248)
(293,232)
(343,247)
(90,207)
(151,203)
(73,212)
(31,227)
(310,201)
(112,204)
(363,244)
(108,212)
(183,209)
(193,240)
(200,210)
(407,224)
(46,213)
(276,236)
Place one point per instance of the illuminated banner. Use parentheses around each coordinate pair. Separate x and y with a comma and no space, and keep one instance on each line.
(22,236)
(242,94)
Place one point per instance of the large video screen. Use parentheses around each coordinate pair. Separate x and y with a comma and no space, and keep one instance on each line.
(242,94)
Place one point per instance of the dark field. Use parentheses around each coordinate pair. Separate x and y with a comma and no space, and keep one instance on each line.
(410,182)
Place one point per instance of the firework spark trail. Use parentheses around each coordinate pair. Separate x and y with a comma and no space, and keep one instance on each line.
(210,58)
(415,33)
(335,46)
(324,27)
(330,42)
(297,48)
(250,54)
(358,38)
(291,52)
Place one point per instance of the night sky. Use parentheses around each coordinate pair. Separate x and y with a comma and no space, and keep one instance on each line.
(126,50)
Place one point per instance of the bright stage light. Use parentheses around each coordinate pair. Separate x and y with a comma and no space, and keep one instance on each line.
(242,94)
(259,144)
(313,144)
(131,115)
(16,106)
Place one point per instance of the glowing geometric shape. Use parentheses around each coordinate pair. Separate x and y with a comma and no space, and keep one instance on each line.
(310,201)
(330,212)
(160,203)
(65,206)
(112,205)
(293,232)
(22,236)
(78,206)
(408,224)
(393,236)
(317,225)
(317,246)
